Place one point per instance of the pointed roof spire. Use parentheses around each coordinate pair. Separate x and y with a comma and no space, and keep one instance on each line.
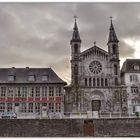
(76,36)
(112,34)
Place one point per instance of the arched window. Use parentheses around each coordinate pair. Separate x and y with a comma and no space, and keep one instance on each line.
(76,69)
(114,49)
(85,81)
(102,82)
(106,82)
(115,70)
(94,84)
(75,48)
(116,81)
(98,82)
(89,81)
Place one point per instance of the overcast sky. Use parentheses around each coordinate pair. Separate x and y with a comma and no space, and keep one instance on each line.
(38,35)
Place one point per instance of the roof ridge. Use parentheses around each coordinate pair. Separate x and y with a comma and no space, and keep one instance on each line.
(93,48)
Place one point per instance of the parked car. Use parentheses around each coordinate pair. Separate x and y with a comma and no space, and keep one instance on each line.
(8,115)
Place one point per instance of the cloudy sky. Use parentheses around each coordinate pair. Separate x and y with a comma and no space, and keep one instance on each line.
(38,35)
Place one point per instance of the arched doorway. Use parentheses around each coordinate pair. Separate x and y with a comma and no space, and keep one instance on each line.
(97,103)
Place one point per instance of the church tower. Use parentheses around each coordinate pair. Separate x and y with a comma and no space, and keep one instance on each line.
(113,49)
(75,54)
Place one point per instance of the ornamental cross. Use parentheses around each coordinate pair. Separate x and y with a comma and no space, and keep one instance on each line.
(94,43)
(75,17)
(111,18)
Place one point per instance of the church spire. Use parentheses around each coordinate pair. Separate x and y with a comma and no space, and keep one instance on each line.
(75,36)
(112,34)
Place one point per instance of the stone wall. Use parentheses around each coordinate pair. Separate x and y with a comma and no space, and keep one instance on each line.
(117,127)
(41,128)
(70,128)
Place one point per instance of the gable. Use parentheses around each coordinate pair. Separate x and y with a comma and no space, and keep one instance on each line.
(94,51)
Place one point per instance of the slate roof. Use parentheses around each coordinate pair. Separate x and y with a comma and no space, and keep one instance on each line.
(22,75)
(128,66)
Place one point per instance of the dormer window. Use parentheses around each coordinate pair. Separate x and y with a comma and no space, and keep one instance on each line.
(11,78)
(31,78)
(136,67)
(45,77)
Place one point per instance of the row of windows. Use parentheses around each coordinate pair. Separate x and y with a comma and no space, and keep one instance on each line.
(96,82)
(30,78)
(135,101)
(31,92)
(120,95)
(30,107)
(134,90)
(133,78)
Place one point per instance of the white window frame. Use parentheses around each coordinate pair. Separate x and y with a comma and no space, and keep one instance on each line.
(3,92)
(58,91)
(11,77)
(10,92)
(58,107)
(24,92)
(44,91)
(31,78)
(32,92)
(9,107)
(51,91)
(37,91)
(51,107)
(45,77)
(30,107)
(2,107)
(23,107)
(37,107)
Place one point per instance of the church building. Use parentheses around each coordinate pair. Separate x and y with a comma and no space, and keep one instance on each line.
(95,77)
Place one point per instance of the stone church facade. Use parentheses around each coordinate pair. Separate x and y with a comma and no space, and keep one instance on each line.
(95,77)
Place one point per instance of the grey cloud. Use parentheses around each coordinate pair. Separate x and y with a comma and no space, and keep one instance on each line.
(38,34)
(126,50)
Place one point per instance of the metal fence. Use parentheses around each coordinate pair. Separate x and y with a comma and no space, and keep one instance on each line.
(101,115)
(116,115)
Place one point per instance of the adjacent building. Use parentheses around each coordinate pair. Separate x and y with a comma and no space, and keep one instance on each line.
(130,74)
(31,92)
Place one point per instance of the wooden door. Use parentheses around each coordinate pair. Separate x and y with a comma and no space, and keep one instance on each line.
(88,128)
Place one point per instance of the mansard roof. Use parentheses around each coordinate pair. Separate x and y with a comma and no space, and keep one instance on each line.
(94,48)
(21,75)
(128,66)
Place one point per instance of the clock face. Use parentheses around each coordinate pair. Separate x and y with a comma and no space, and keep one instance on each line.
(95,67)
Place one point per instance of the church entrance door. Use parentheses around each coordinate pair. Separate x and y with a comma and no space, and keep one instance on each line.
(96,105)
